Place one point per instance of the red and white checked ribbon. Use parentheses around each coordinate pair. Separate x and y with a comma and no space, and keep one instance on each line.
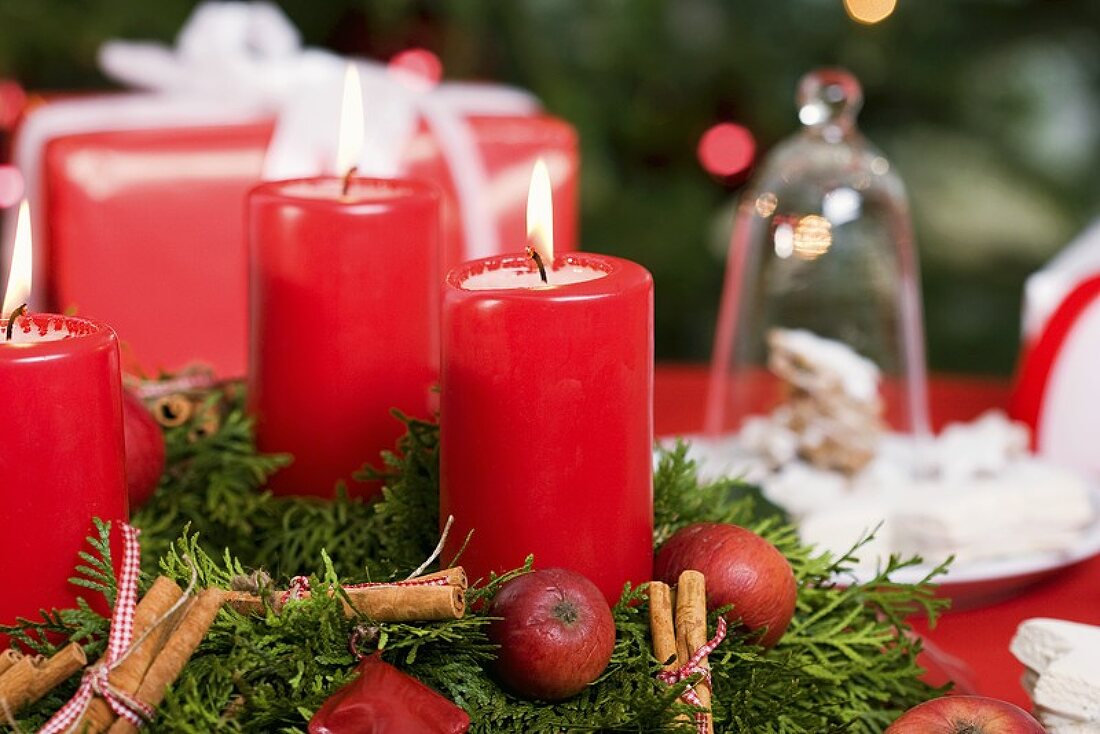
(95,681)
(300,584)
(690,668)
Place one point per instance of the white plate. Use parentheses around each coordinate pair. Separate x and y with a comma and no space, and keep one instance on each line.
(986,582)
(978,583)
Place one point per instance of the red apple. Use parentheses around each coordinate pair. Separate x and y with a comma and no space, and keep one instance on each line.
(555,632)
(965,715)
(741,569)
(144,449)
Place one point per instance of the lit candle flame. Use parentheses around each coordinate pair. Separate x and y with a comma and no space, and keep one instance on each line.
(19,277)
(350,142)
(540,213)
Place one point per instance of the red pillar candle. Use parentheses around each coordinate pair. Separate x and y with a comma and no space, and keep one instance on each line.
(61,454)
(62,461)
(546,416)
(344,319)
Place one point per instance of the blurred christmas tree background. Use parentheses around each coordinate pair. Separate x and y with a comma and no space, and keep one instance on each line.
(989,109)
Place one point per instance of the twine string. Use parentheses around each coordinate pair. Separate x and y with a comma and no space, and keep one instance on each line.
(435,553)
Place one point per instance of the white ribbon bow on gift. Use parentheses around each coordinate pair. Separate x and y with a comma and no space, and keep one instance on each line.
(230,49)
(237,62)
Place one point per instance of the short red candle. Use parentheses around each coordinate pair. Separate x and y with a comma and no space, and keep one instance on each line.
(61,455)
(344,319)
(546,417)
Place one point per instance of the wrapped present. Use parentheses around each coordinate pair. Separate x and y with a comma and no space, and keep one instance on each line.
(144,230)
(138,198)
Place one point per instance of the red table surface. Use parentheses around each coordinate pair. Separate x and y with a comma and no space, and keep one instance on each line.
(978,637)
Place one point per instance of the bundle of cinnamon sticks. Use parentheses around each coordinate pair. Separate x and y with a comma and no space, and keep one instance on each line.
(674,642)
(433,597)
(154,664)
(150,667)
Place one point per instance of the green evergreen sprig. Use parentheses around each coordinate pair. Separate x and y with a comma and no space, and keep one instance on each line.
(847,662)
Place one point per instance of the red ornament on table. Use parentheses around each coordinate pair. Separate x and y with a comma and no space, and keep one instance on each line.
(344,318)
(61,443)
(546,410)
(383,700)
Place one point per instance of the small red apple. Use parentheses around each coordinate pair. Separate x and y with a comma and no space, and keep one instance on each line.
(965,715)
(741,569)
(144,449)
(555,632)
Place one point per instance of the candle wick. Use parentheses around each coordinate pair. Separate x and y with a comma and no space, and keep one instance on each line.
(534,255)
(11,319)
(347,180)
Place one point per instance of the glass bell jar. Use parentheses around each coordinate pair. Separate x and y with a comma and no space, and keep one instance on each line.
(821,306)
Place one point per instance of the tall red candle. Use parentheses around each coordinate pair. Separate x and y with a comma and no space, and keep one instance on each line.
(61,455)
(344,318)
(546,416)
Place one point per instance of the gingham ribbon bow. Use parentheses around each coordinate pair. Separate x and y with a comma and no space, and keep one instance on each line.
(690,668)
(300,584)
(96,678)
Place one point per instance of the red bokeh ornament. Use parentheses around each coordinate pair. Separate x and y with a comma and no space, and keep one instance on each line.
(418,67)
(726,149)
(11,186)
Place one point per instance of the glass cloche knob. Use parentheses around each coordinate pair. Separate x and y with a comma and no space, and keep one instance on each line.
(821,313)
(828,102)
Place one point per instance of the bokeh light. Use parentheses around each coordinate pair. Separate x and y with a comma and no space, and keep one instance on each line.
(11,186)
(726,149)
(813,236)
(783,238)
(417,67)
(870,11)
(13,99)
(766,204)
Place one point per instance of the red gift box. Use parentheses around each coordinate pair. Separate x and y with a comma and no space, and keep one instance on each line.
(143,228)
(145,231)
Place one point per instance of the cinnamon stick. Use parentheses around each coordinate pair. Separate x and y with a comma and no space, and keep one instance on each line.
(691,628)
(172,410)
(245,602)
(9,658)
(15,683)
(199,614)
(53,671)
(456,576)
(208,424)
(661,626)
(128,676)
(380,603)
(662,600)
(408,603)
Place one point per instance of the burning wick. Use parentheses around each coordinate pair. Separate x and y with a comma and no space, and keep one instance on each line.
(20,311)
(534,255)
(347,180)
